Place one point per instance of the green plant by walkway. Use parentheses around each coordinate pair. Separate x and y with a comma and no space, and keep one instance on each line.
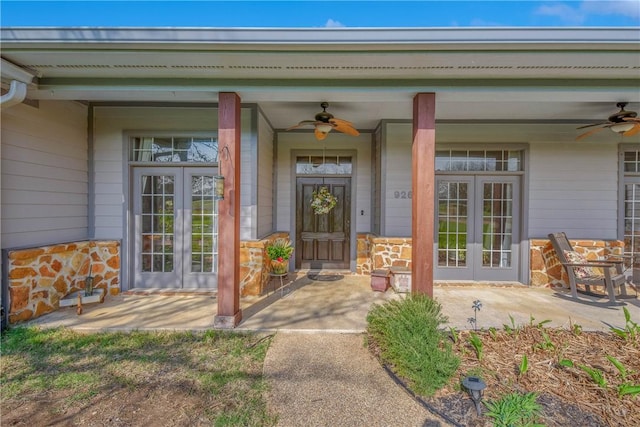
(409,337)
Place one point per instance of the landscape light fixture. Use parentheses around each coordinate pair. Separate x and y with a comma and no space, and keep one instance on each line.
(475,385)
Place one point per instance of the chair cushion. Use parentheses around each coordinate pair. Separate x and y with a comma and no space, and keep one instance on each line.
(574,257)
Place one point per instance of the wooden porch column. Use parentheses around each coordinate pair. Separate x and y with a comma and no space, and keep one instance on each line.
(423,187)
(229,313)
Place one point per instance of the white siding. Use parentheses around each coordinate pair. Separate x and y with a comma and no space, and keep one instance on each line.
(396,177)
(265,178)
(44,173)
(361,178)
(110,153)
(573,187)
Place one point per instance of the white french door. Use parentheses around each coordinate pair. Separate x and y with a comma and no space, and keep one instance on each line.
(175,228)
(478,231)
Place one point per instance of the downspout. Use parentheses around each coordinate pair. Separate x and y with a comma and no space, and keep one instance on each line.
(19,78)
(17,93)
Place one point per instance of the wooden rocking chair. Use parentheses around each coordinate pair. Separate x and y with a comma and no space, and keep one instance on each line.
(608,273)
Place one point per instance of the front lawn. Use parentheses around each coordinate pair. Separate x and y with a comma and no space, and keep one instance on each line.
(58,376)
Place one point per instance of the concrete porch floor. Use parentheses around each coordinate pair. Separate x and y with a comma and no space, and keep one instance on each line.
(339,303)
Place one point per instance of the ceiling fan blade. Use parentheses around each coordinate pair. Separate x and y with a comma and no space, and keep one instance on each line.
(634,130)
(632,119)
(301,124)
(589,133)
(320,135)
(346,128)
(593,124)
(338,121)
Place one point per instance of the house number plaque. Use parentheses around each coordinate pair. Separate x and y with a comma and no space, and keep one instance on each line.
(402,194)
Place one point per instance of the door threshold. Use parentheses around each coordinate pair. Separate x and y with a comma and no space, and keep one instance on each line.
(480,283)
(170,292)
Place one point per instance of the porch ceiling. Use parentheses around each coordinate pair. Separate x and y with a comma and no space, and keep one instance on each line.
(366,75)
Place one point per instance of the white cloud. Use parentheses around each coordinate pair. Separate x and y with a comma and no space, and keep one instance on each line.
(334,24)
(630,8)
(578,15)
(569,15)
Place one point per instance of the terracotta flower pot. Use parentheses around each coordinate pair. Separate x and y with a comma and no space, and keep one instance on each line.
(279,267)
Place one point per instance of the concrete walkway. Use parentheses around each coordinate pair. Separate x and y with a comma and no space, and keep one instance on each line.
(330,379)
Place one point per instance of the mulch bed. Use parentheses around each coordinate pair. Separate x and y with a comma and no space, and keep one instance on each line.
(568,396)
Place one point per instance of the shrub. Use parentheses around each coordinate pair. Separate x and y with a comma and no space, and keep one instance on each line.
(410,340)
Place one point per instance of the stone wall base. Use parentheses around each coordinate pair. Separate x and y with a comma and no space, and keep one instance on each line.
(40,277)
(546,270)
(374,252)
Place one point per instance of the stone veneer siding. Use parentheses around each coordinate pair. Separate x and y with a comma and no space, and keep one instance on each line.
(40,277)
(255,265)
(546,269)
(375,252)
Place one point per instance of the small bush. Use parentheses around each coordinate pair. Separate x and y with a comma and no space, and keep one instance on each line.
(410,340)
(514,409)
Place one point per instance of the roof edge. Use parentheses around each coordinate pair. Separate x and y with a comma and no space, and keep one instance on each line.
(235,37)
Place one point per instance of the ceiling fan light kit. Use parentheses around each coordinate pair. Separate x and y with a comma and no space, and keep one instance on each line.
(324,127)
(325,122)
(621,127)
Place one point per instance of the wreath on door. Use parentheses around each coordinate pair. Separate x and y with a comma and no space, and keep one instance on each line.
(322,201)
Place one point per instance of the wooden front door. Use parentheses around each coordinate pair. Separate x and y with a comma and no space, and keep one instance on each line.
(322,241)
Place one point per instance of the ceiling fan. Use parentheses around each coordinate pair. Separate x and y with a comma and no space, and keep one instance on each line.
(623,122)
(325,122)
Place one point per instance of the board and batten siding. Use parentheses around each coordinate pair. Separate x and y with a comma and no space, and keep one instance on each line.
(573,187)
(335,143)
(44,174)
(265,178)
(113,124)
(396,179)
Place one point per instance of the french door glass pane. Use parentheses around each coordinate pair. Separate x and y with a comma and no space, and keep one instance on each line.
(157,223)
(632,218)
(497,224)
(452,224)
(204,217)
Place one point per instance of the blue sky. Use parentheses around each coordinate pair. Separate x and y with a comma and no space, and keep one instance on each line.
(319,13)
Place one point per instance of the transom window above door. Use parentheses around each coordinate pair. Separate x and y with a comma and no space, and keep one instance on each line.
(323,165)
(183,149)
(479,160)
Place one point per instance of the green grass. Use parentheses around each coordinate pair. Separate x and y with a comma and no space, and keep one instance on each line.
(222,370)
(408,335)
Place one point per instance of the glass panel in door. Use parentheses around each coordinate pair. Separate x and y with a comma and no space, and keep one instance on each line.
(498,232)
(478,235)
(201,231)
(175,228)
(157,240)
(455,231)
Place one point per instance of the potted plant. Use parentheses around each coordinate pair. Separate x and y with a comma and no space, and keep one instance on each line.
(279,251)
(322,201)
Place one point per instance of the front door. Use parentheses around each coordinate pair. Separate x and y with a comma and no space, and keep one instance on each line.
(478,228)
(175,228)
(322,241)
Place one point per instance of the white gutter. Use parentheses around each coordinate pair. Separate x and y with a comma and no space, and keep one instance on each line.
(19,81)
(500,38)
